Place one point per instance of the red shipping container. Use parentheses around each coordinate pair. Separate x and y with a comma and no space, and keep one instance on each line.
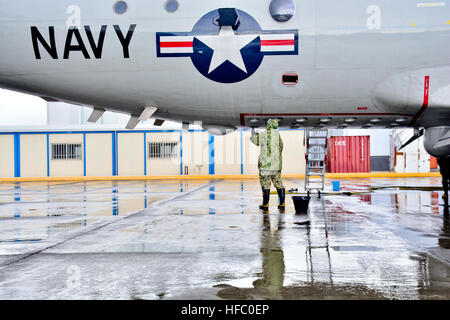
(348,154)
(433,163)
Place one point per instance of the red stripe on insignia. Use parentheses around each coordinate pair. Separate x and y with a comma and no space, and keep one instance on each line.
(277,42)
(177,44)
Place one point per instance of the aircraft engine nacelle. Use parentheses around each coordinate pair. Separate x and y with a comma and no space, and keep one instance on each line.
(437,141)
(218,130)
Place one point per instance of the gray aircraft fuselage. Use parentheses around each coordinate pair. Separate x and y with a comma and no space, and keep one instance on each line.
(383,63)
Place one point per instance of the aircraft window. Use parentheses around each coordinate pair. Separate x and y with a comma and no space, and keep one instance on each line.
(120,7)
(171,5)
(282,10)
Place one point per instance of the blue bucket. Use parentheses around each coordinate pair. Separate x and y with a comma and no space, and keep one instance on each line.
(336,185)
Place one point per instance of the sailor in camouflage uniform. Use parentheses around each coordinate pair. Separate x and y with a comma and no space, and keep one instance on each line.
(270,162)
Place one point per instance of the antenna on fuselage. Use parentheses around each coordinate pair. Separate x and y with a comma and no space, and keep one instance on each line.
(228,17)
(145,115)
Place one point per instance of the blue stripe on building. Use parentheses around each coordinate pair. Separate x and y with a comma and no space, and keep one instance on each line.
(48,155)
(211,155)
(181,153)
(145,153)
(16,155)
(84,153)
(242,153)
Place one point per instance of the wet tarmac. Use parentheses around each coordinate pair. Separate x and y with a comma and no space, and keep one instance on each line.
(208,240)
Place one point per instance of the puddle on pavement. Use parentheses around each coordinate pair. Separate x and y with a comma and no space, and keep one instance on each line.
(365,246)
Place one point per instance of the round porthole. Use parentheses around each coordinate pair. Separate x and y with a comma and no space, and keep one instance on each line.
(282,10)
(120,7)
(171,5)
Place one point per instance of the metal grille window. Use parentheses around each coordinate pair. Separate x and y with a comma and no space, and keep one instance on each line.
(163,150)
(66,151)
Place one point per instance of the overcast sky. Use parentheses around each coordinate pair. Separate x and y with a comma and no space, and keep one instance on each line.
(17,109)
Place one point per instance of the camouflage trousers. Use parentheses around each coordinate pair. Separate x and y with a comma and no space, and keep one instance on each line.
(266,180)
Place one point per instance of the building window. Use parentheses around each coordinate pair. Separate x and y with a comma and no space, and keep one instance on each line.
(162,150)
(66,151)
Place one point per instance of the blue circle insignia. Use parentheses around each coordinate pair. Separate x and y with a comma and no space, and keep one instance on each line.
(227,54)
(227,45)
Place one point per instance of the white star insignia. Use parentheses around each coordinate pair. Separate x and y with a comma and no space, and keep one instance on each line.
(227,47)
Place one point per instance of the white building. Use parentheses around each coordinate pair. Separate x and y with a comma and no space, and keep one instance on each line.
(67,145)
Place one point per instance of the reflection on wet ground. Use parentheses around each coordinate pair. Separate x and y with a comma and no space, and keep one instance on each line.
(208,240)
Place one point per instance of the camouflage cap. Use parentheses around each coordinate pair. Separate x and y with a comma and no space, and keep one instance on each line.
(272,123)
